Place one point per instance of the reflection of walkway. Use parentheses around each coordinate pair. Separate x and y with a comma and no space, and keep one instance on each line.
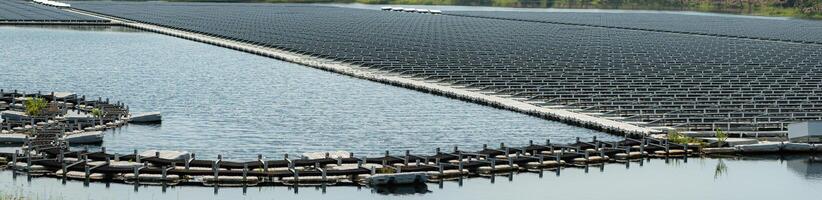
(809,167)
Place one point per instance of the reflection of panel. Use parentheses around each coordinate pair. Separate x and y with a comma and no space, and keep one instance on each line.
(808,167)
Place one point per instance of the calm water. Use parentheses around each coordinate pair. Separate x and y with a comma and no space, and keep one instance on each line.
(220,101)
(751,178)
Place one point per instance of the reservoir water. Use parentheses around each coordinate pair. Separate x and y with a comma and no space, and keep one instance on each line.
(220,101)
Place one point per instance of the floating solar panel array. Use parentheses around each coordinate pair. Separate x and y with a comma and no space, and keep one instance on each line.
(29,11)
(651,78)
(779,29)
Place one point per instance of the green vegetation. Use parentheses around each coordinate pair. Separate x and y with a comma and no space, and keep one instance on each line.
(385,170)
(785,8)
(10,197)
(96,112)
(721,137)
(721,169)
(18,195)
(16,192)
(35,106)
(675,136)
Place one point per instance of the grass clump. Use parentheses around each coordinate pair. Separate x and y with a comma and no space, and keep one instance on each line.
(386,170)
(35,106)
(721,137)
(679,138)
(96,112)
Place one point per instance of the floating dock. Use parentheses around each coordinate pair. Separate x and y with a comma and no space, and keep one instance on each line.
(66,117)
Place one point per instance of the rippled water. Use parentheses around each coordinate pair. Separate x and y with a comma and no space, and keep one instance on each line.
(746,178)
(219,101)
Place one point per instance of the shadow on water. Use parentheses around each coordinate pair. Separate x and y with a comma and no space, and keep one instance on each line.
(808,167)
(401,189)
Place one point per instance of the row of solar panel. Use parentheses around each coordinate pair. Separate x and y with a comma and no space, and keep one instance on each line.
(19,10)
(592,66)
(794,30)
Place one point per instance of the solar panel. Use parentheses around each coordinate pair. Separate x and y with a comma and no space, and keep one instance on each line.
(691,81)
(794,30)
(19,10)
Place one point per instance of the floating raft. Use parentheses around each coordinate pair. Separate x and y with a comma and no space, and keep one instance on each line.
(146,118)
(156,167)
(67,118)
(337,168)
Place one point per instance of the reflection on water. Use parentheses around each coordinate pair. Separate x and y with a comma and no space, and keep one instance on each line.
(809,167)
(401,189)
(721,169)
(760,177)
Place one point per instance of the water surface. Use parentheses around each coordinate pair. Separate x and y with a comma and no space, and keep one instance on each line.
(220,101)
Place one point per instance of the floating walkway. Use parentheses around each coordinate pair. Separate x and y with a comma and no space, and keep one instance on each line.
(328,169)
(64,118)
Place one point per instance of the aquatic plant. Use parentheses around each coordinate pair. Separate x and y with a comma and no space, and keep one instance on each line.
(35,106)
(4,196)
(679,138)
(721,137)
(721,169)
(675,136)
(16,192)
(96,112)
(13,194)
